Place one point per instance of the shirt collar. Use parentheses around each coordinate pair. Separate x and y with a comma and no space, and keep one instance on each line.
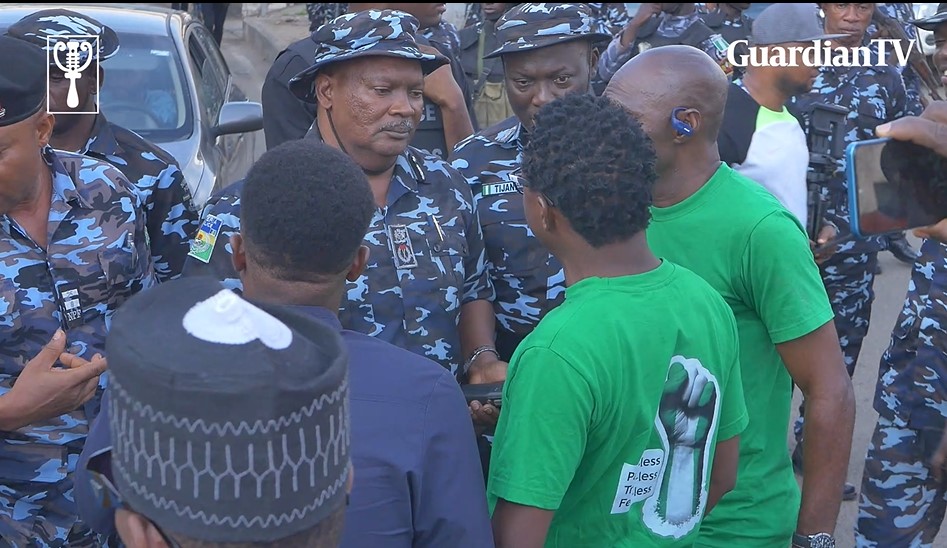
(64,183)
(408,170)
(320,313)
(102,140)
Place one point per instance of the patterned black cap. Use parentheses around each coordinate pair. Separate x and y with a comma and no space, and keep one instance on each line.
(229,420)
(384,33)
(22,80)
(530,26)
(44,28)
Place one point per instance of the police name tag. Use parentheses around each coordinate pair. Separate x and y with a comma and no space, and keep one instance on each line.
(69,305)
(498,188)
(202,246)
(401,247)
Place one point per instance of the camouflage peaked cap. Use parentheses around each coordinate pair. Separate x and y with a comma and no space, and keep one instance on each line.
(44,27)
(532,26)
(385,33)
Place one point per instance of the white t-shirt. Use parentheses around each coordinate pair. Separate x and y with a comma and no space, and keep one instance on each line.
(768,147)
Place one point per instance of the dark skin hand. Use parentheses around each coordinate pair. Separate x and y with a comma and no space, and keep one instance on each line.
(816,365)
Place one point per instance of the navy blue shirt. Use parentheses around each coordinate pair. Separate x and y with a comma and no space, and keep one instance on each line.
(418,480)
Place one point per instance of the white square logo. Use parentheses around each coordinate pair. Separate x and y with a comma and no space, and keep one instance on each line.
(77,56)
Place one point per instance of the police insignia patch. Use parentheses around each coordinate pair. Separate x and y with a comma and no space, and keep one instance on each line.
(202,246)
(401,248)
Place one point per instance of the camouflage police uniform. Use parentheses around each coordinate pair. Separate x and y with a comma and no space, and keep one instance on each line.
(426,257)
(663,30)
(613,17)
(901,503)
(732,30)
(319,14)
(172,216)
(902,13)
(528,280)
(873,95)
(97,257)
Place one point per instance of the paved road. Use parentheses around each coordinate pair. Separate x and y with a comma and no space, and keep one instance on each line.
(249,70)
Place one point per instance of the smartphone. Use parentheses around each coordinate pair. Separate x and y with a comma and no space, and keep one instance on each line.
(894,186)
(484,393)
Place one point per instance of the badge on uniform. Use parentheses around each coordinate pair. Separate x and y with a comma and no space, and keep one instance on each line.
(202,246)
(508,187)
(401,247)
(70,306)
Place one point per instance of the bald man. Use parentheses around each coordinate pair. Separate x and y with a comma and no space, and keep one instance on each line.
(737,236)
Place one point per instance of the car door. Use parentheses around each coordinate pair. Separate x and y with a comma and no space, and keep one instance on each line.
(235,149)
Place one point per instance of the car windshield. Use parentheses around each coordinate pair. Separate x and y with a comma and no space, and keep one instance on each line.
(144,88)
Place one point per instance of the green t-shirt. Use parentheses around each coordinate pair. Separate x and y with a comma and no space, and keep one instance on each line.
(754,252)
(596,423)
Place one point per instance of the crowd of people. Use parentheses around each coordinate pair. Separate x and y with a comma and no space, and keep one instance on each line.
(590,209)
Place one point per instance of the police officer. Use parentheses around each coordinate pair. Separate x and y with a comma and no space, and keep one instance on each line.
(447,107)
(172,216)
(614,17)
(874,95)
(732,23)
(903,492)
(652,26)
(547,51)
(490,103)
(320,14)
(72,250)
(426,286)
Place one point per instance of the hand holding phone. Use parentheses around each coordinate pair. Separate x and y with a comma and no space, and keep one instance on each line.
(894,186)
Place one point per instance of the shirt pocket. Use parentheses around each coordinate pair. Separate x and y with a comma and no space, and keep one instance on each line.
(869,117)
(120,267)
(512,248)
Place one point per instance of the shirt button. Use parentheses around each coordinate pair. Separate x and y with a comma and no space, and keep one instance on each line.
(437,247)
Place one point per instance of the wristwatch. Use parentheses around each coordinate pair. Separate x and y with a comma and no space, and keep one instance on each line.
(818,540)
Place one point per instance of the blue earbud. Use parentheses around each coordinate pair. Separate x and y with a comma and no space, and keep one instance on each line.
(680,126)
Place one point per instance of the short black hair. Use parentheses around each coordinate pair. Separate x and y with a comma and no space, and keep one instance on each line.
(593,160)
(305,209)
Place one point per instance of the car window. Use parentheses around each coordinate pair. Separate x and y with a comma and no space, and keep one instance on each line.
(211,79)
(144,88)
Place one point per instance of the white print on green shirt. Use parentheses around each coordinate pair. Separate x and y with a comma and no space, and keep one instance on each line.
(673,481)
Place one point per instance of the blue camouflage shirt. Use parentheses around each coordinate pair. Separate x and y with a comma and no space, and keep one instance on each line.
(426,259)
(912,379)
(873,95)
(670,29)
(172,217)
(527,279)
(97,256)
(902,13)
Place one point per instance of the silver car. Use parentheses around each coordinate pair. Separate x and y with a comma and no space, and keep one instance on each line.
(170,83)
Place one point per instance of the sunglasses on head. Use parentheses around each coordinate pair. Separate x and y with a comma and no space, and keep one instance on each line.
(521,183)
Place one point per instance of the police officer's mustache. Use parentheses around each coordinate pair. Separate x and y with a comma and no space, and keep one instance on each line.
(399,127)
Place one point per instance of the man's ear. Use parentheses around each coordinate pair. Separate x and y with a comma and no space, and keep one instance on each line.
(239,256)
(547,214)
(690,117)
(324,88)
(136,531)
(358,263)
(44,128)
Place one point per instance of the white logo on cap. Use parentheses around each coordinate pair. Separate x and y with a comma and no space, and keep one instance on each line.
(73,67)
(225,318)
